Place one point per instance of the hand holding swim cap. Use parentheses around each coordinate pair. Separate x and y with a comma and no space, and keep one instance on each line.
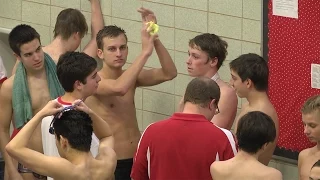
(81,106)
(51,108)
(153,28)
(150,20)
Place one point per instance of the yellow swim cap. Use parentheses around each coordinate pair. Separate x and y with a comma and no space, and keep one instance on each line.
(153,27)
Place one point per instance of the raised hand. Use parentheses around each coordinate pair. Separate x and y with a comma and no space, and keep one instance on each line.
(147,38)
(147,15)
(81,106)
(52,107)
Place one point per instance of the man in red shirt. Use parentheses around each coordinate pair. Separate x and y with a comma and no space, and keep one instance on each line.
(185,145)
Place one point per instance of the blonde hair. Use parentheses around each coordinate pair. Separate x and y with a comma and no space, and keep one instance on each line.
(312,104)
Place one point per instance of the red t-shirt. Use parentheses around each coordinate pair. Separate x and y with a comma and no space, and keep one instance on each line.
(181,147)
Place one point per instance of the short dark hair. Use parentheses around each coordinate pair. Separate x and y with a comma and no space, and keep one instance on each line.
(317,164)
(254,67)
(20,35)
(76,127)
(70,21)
(109,31)
(74,66)
(201,91)
(254,130)
(212,44)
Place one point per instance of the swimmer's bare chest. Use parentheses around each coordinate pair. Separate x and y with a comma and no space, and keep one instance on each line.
(40,96)
(118,103)
(39,93)
(312,156)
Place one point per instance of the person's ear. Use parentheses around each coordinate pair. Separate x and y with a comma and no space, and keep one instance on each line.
(18,57)
(76,35)
(100,53)
(77,85)
(63,142)
(213,62)
(212,104)
(249,83)
(264,146)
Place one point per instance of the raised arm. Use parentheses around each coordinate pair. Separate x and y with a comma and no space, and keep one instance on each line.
(228,109)
(168,69)
(121,85)
(97,24)
(5,120)
(100,127)
(50,166)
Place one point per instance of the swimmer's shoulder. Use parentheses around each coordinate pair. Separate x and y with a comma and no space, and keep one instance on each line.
(7,86)
(272,174)
(220,169)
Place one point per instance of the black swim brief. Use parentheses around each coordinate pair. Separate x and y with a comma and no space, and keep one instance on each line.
(123,169)
(23,169)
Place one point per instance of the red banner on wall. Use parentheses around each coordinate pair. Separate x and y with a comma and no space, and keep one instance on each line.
(294,44)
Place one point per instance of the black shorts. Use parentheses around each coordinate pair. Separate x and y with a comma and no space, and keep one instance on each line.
(1,170)
(123,169)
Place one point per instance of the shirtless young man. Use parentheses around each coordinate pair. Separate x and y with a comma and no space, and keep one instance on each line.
(315,171)
(311,121)
(72,130)
(114,100)
(70,28)
(26,45)
(206,55)
(249,77)
(255,131)
(77,73)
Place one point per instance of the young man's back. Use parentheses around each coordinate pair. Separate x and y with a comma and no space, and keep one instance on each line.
(48,141)
(72,128)
(255,131)
(247,169)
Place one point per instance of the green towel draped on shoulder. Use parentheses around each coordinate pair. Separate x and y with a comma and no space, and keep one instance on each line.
(21,100)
